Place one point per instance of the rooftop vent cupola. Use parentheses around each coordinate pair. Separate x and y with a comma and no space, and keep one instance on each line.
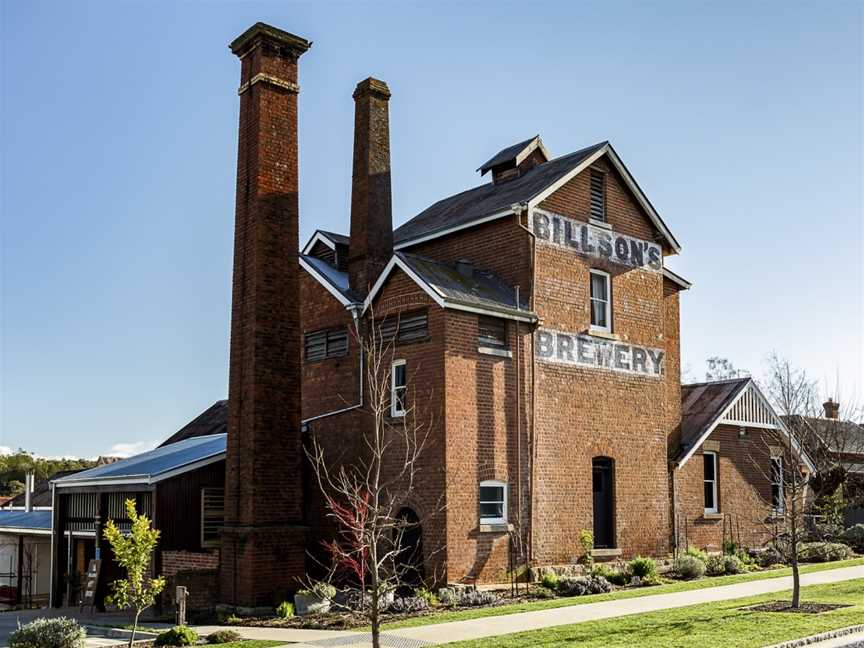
(516,160)
(371,244)
(832,409)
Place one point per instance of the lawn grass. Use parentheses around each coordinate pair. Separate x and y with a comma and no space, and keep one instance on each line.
(249,643)
(708,625)
(680,586)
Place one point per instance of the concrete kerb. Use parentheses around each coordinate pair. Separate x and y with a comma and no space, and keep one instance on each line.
(824,636)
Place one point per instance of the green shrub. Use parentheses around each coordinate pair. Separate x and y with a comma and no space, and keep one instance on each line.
(427,595)
(60,632)
(854,537)
(233,619)
(550,580)
(643,567)
(822,551)
(690,567)
(285,610)
(177,636)
(586,539)
(583,585)
(697,553)
(716,565)
(223,636)
(732,565)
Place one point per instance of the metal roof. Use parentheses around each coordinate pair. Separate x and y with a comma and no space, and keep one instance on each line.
(511,153)
(489,199)
(481,289)
(34,520)
(702,404)
(155,465)
(334,280)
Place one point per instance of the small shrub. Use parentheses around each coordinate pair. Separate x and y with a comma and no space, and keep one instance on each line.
(697,553)
(447,596)
(233,619)
(60,632)
(408,604)
(550,580)
(643,567)
(854,537)
(542,592)
(586,539)
(177,636)
(690,567)
(476,598)
(732,565)
(768,557)
(285,610)
(715,566)
(320,589)
(583,585)
(822,551)
(223,636)
(730,547)
(427,595)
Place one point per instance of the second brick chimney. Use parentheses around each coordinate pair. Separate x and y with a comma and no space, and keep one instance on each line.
(832,409)
(371,244)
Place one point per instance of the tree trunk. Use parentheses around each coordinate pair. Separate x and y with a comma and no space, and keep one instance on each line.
(134,628)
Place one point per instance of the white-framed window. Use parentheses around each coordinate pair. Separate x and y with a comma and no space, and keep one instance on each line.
(712,504)
(493,502)
(778,500)
(601,301)
(398,387)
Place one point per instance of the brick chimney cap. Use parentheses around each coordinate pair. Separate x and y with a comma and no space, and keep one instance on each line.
(372,85)
(260,32)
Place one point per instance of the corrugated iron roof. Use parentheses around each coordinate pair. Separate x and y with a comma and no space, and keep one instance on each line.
(149,467)
(702,404)
(505,155)
(37,520)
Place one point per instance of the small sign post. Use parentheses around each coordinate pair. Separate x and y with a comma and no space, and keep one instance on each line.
(91,581)
(180,598)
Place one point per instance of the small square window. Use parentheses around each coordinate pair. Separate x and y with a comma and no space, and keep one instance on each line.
(493,502)
(601,301)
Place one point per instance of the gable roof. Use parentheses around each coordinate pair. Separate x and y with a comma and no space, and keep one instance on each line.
(738,401)
(330,239)
(837,436)
(213,420)
(491,201)
(481,292)
(515,153)
(154,466)
(335,281)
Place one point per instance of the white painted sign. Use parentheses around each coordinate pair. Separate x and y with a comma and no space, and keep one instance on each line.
(587,351)
(597,242)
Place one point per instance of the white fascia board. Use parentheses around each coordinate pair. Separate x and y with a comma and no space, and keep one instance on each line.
(528,150)
(219,456)
(395,262)
(318,237)
(324,282)
(530,319)
(676,279)
(26,532)
(450,230)
(567,177)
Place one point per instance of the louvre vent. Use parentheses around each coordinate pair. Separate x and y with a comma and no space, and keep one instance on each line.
(411,327)
(212,515)
(598,195)
(325,344)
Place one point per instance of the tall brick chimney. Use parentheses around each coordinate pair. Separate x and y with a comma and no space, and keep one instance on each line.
(832,409)
(263,541)
(371,243)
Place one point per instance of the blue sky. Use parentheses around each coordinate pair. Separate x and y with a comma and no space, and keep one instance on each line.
(741,121)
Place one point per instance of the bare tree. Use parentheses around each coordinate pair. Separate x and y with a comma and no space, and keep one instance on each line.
(366,493)
(719,368)
(792,393)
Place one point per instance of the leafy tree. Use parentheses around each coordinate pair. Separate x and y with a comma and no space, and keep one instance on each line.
(718,368)
(134,552)
(14,467)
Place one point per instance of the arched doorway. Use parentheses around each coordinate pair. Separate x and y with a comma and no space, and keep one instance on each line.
(409,561)
(603,487)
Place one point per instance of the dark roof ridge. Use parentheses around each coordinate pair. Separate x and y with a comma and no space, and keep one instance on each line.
(717,382)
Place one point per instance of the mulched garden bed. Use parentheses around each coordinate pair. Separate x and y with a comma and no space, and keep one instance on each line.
(803,608)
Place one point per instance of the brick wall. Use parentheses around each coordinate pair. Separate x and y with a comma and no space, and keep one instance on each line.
(198,572)
(177,561)
(744,489)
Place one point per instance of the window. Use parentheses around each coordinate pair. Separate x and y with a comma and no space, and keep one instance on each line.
(598,195)
(493,502)
(398,386)
(325,344)
(601,303)
(411,327)
(491,332)
(778,501)
(212,515)
(711,504)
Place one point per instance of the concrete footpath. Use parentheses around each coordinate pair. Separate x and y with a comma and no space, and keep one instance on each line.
(443,633)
